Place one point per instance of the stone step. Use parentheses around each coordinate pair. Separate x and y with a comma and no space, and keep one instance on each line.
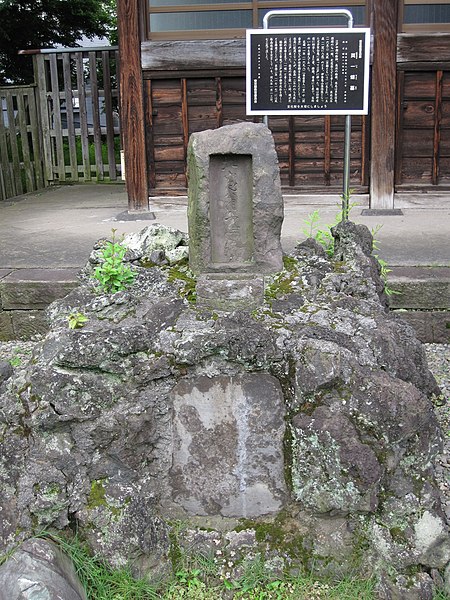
(423,299)
(24,295)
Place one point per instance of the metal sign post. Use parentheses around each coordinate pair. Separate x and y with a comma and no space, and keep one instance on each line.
(310,71)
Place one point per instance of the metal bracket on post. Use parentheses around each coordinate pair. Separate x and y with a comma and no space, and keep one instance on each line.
(338,12)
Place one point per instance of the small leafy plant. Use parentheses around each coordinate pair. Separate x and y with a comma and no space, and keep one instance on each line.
(113,274)
(77,320)
(325,238)
(322,236)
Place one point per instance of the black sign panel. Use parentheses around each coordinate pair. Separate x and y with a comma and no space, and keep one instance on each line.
(308,71)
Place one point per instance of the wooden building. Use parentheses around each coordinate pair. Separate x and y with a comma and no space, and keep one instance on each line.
(183,70)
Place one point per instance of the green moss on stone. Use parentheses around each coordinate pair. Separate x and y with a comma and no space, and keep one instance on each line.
(97,498)
(97,495)
(184,275)
(290,263)
(279,535)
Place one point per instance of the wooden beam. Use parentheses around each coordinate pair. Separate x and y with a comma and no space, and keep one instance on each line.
(291,157)
(194,54)
(399,129)
(132,105)
(437,128)
(149,133)
(383,111)
(219,102)
(327,150)
(185,124)
(423,47)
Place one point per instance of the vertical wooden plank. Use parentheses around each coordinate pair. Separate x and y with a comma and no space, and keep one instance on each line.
(132,105)
(68,94)
(437,127)
(16,168)
(84,132)
(57,125)
(365,137)
(185,124)
(109,116)
(384,71)
(219,102)
(399,128)
(23,129)
(43,104)
(3,195)
(151,167)
(400,15)
(36,138)
(327,150)
(99,166)
(6,170)
(291,157)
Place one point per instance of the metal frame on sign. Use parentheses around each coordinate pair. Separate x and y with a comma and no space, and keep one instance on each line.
(342,12)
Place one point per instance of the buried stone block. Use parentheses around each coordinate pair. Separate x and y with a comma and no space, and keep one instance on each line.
(235,214)
(228,446)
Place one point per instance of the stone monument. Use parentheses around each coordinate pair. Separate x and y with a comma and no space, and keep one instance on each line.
(235,214)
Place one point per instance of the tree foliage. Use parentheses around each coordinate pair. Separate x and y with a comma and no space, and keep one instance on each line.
(33,24)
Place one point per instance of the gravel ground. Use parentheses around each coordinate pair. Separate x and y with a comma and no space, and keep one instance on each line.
(18,354)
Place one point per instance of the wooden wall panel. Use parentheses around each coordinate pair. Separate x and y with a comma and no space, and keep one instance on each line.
(206,102)
(417,145)
(445,169)
(419,85)
(425,128)
(418,114)
(417,170)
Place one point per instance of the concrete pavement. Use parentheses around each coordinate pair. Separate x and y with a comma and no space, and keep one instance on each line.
(46,237)
(57,227)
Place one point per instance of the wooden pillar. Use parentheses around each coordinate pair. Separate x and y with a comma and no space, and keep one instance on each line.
(132,119)
(383,106)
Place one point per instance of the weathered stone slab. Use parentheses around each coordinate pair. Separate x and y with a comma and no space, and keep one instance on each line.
(6,327)
(28,323)
(228,446)
(26,289)
(431,327)
(420,287)
(235,204)
(4,273)
(39,570)
(237,291)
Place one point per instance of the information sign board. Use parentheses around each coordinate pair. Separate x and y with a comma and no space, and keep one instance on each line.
(308,71)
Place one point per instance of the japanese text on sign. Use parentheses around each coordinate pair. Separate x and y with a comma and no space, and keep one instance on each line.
(307,71)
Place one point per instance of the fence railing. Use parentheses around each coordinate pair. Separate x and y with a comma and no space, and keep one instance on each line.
(20,142)
(78,104)
(65,127)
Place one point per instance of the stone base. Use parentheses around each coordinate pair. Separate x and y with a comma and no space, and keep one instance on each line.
(381,212)
(229,292)
(431,327)
(138,215)
(24,296)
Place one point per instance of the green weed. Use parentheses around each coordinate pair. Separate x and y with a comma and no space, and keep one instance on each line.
(323,235)
(113,274)
(200,579)
(77,320)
